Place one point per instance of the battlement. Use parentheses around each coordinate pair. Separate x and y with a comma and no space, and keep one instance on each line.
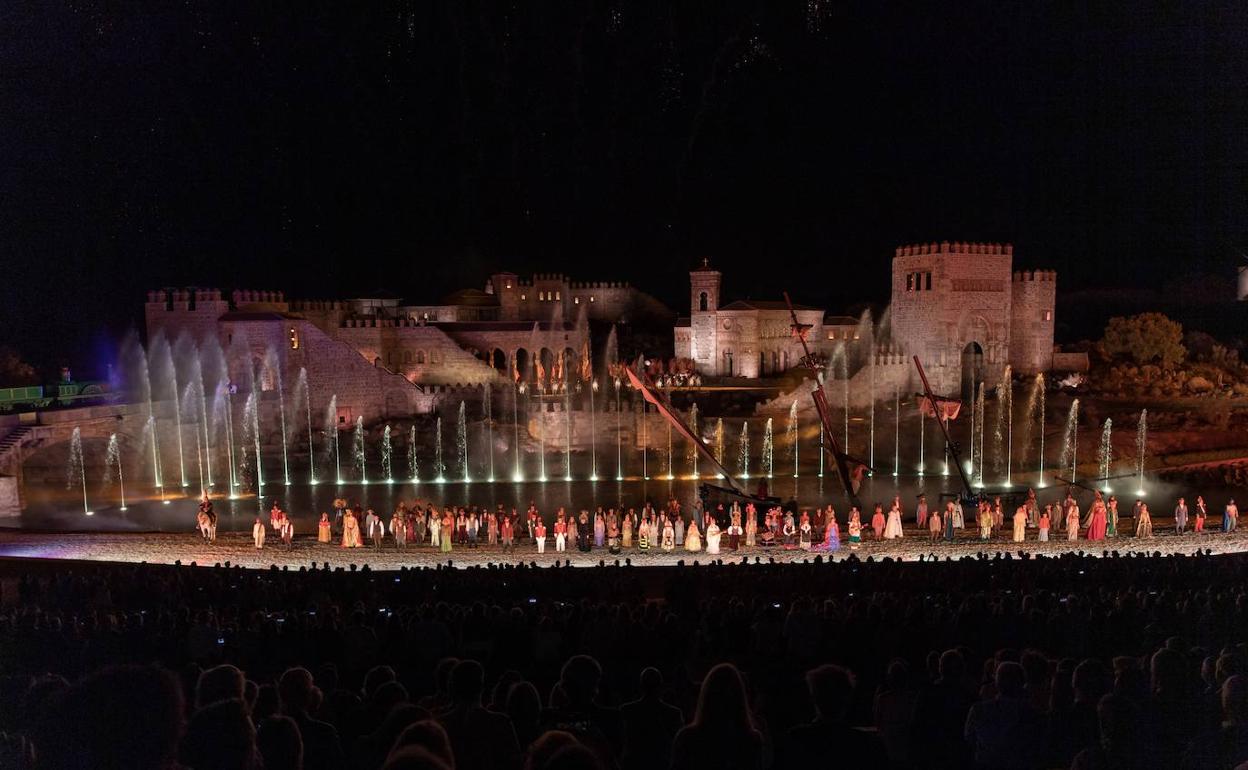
(550,277)
(249,296)
(182,296)
(319,304)
(599,285)
(957,247)
(1028,276)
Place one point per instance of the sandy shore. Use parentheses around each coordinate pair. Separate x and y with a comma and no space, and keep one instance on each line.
(238,549)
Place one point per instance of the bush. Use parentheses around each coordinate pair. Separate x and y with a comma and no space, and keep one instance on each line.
(1145,338)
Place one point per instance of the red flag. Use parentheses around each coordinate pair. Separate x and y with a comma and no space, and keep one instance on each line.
(945,408)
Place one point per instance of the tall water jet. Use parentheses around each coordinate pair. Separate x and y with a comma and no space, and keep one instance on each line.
(77,468)
(719,444)
(567,431)
(386,449)
(980,406)
(896,431)
(1141,448)
(413,464)
(274,368)
(358,451)
(871,417)
(111,461)
(487,406)
(461,442)
(696,428)
(1105,453)
(302,388)
(331,423)
(229,441)
(190,400)
(516,475)
(162,356)
(251,439)
(970,461)
(593,434)
(439,467)
(541,440)
(768,449)
(791,435)
(197,383)
(645,440)
(1034,420)
(671,469)
(922,440)
(619,446)
(1000,426)
(743,452)
(1070,441)
(149,436)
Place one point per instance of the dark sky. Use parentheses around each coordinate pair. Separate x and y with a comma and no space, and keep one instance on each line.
(327,147)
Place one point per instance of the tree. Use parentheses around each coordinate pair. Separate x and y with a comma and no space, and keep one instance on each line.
(1145,338)
(14,371)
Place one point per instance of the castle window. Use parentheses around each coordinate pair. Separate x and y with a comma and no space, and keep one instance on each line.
(703,301)
(556,296)
(541,296)
(294,339)
(420,356)
(509,284)
(909,281)
(591,297)
(927,281)
(523,297)
(576,300)
(407,356)
(1048,315)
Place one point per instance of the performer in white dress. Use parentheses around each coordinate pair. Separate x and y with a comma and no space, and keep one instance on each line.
(892,529)
(712,538)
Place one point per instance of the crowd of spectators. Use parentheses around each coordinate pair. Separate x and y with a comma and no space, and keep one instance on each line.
(995,661)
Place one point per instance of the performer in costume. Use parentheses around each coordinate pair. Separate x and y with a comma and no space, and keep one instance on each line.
(734,530)
(435,528)
(1020,524)
(892,529)
(561,534)
(1201,513)
(584,537)
(287,531)
(751,525)
(950,519)
(626,531)
(446,526)
(1111,517)
(804,532)
(257,533)
(1098,522)
(789,532)
(693,539)
(1072,522)
(539,532)
(350,530)
(613,535)
(855,530)
(1046,520)
(678,524)
(1230,518)
(1180,516)
(959,520)
(669,535)
(398,529)
(877,521)
(1144,521)
(984,517)
(323,527)
(920,512)
(934,525)
(600,528)
(712,537)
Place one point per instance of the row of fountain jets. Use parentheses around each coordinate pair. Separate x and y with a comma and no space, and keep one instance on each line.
(203,370)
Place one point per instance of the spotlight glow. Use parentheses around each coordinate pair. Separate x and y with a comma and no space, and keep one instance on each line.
(89,513)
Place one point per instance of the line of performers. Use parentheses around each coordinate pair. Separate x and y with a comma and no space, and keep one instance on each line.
(665,529)
(669,528)
(1102,519)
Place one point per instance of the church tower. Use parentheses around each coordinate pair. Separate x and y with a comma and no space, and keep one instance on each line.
(704,288)
(704,302)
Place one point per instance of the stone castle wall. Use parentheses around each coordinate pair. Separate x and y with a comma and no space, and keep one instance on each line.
(1031,325)
(194,311)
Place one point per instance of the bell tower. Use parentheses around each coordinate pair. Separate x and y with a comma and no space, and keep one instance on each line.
(704,288)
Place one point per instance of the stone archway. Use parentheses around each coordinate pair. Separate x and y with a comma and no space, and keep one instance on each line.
(498,359)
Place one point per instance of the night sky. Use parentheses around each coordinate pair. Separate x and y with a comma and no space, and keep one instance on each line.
(331,148)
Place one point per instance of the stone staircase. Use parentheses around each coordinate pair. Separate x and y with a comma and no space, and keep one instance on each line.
(13,438)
